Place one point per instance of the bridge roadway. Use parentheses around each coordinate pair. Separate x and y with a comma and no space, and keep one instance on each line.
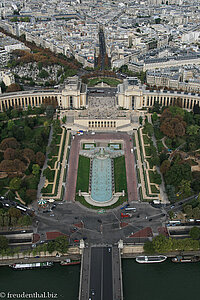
(100,277)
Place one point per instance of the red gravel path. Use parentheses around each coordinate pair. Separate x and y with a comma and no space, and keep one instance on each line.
(52,235)
(146,232)
(73,163)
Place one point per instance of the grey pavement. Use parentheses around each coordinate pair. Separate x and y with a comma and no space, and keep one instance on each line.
(104,228)
(42,178)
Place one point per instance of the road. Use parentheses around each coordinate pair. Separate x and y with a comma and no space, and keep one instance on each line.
(178,205)
(102,48)
(101,287)
(97,228)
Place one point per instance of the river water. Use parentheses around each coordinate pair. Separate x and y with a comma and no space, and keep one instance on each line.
(60,280)
(162,281)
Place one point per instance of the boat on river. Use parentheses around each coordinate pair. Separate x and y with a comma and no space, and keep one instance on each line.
(70,262)
(185,259)
(28,266)
(150,259)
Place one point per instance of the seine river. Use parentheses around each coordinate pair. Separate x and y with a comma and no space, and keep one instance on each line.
(164,281)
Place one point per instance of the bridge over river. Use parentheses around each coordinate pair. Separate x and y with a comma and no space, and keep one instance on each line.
(101,276)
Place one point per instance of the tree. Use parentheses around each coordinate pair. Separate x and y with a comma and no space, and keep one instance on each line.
(192,130)
(3,86)
(170,189)
(31,195)
(148,247)
(15,183)
(14,87)
(36,169)
(9,143)
(185,187)
(177,173)
(3,243)
(148,128)
(14,212)
(10,125)
(156,107)
(10,154)
(25,221)
(40,158)
(64,119)
(51,247)
(61,244)
(172,123)
(28,132)
(43,74)
(15,165)
(49,111)
(188,210)
(154,117)
(196,213)
(179,129)
(161,244)
(195,233)
(165,166)
(15,113)
(196,109)
(29,154)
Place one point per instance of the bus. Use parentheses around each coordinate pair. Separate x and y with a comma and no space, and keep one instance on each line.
(130,208)
(21,208)
(174,223)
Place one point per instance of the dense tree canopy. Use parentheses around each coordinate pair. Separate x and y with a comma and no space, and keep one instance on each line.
(177,173)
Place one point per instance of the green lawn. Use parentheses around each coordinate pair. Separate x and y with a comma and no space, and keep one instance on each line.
(47,189)
(110,81)
(51,162)
(154,189)
(83,174)
(120,174)
(150,163)
(120,201)
(146,139)
(160,146)
(147,151)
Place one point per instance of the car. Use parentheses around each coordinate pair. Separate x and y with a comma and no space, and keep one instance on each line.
(84,238)
(76,241)
(92,292)
(52,215)
(92,132)
(163,215)
(23,231)
(138,216)
(180,203)
(172,206)
(37,256)
(109,249)
(150,219)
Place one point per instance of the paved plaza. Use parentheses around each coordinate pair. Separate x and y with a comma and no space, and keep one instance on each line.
(74,157)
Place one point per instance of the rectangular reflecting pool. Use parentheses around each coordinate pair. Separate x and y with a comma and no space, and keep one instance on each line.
(101,183)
